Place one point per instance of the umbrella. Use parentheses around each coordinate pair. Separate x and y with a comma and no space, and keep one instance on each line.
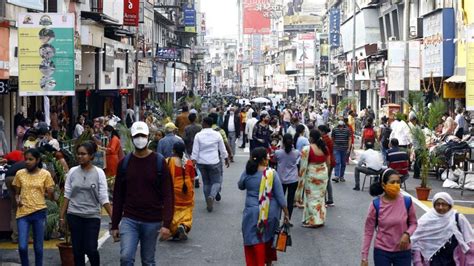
(260,100)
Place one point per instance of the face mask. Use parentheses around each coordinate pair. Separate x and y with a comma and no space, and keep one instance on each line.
(392,190)
(341,123)
(140,142)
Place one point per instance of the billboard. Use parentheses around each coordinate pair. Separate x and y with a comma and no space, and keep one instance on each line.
(131,12)
(305,50)
(189,17)
(335,27)
(46,54)
(31,4)
(396,62)
(323,53)
(303,15)
(255,21)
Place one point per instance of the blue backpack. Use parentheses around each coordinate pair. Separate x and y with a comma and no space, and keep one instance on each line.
(159,161)
(376,203)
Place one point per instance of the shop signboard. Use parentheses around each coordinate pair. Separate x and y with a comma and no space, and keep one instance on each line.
(470,69)
(302,15)
(189,17)
(324,53)
(46,54)
(335,27)
(438,45)
(31,4)
(255,21)
(167,54)
(4,86)
(131,12)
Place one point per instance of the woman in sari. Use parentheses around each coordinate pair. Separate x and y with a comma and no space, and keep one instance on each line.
(183,173)
(113,151)
(443,236)
(314,164)
(263,204)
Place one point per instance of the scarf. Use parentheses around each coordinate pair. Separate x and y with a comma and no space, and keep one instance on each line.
(264,197)
(435,230)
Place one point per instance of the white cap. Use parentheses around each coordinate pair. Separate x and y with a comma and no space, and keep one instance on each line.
(139,128)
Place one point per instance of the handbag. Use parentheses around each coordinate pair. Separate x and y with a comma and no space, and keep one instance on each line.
(282,238)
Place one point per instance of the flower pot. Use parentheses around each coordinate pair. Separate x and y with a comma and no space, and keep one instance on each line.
(422,193)
(67,256)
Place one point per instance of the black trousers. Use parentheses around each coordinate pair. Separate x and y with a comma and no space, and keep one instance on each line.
(290,197)
(84,236)
(244,136)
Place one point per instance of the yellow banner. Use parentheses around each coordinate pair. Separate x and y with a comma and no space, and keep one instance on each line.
(454,90)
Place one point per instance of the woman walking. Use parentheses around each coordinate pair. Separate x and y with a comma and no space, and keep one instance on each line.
(287,160)
(443,236)
(183,173)
(314,166)
(113,151)
(392,216)
(263,204)
(330,146)
(85,193)
(300,140)
(30,187)
(261,132)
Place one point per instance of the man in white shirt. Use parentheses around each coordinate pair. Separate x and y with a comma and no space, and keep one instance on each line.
(249,129)
(250,111)
(370,163)
(401,131)
(208,146)
(312,115)
(232,128)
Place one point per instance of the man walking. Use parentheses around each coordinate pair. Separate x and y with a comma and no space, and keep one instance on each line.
(249,129)
(165,146)
(243,124)
(143,200)
(232,128)
(208,145)
(182,120)
(342,143)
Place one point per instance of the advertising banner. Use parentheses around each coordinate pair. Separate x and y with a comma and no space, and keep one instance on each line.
(395,65)
(46,54)
(335,27)
(305,51)
(303,15)
(189,17)
(4,53)
(255,21)
(470,69)
(324,53)
(131,12)
(31,4)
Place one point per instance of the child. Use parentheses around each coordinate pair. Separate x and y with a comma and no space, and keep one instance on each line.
(274,146)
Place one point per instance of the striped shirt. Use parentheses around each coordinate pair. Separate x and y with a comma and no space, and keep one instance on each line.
(398,160)
(341,137)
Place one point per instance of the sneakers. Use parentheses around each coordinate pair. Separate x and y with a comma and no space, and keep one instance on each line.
(336,179)
(342,179)
(182,235)
(356,188)
(330,204)
(209,203)
(218,196)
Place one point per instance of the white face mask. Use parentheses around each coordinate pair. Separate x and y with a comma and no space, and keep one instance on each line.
(140,142)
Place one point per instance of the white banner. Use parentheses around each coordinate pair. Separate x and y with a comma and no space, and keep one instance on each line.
(32,4)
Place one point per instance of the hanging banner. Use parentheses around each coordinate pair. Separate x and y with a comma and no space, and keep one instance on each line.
(255,21)
(46,54)
(470,69)
(131,12)
(31,4)
(189,17)
(335,27)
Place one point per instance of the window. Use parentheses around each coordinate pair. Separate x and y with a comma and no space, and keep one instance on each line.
(388,26)
(396,28)
(382,30)
(51,6)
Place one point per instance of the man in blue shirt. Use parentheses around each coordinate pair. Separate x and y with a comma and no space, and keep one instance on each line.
(165,146)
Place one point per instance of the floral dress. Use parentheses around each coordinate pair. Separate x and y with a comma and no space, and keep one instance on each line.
(313,182)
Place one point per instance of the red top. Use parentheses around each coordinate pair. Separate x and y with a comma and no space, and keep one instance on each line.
(313,158)
(330,146)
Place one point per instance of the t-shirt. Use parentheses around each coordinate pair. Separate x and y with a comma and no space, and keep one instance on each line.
(341,136)
(287,165)
(32,190)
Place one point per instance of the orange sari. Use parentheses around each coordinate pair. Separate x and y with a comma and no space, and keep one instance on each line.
(183,202)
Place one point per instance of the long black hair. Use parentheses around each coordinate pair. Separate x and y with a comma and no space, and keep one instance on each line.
(256,157)
(288,142)
(376,188)
(315,138)
(178,149)
(299,130)
(112,130)
(36,154)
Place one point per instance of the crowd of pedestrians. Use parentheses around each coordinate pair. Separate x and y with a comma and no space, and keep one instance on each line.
(296,154)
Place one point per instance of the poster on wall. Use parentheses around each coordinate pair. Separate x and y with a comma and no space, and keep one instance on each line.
(255,21)
(31,4)
(46,54)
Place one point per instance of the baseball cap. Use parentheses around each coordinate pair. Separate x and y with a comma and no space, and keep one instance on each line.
(139,128)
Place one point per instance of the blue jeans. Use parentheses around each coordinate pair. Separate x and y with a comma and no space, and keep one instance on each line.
(286,125)
(385,258)
(37,221)
(132,232)
(340,168)
(384,155)
(211,179)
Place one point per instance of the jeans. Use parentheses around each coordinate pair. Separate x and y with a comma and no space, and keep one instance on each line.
(384,154)
(290,198)
(329,187)
(11,191)
(37,221)
(364,170)
(286,125)
(132,232)
(84,236)
(385,258)
(232,141)
(211,179)
(244,136)
(251,144)
(340,156)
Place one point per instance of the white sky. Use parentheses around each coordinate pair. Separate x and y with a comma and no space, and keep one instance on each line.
(221,18)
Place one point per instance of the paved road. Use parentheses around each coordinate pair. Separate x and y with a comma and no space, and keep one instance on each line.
(216,239)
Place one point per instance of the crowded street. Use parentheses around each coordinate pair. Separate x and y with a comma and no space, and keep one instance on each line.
(237,132)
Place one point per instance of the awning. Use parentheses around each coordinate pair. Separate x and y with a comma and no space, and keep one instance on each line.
(456,79)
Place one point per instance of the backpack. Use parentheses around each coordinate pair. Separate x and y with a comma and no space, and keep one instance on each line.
(369,135)
(159,160)
(376,203)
